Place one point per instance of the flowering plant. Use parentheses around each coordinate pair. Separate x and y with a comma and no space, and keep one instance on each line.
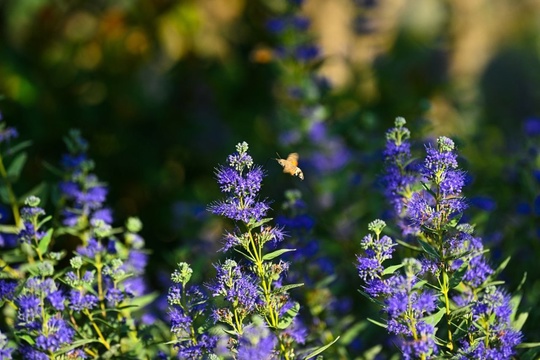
(445,301)
(85,308)
(252,304)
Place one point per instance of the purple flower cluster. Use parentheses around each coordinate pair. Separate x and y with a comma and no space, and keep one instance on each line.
(257,342)
(253,287)
(398,179)
(493,336)
(187,306)
(440,169)
(242,182)
(84,193)
(238,288)
(428,204)
(403,301)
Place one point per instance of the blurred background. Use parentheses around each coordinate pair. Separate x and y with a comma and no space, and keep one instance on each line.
(164,89)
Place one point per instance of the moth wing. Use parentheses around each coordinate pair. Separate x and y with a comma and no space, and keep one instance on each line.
(293,159)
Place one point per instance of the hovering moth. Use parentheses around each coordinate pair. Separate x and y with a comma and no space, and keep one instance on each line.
(290,165)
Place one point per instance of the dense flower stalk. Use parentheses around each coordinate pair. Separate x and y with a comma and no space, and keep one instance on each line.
(428,205)
(253,287)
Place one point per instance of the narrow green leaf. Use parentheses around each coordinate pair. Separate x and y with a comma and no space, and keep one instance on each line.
(391,269)
(247,256)
(457,276)
(287,287)
(518,323)
(43,221)
(230,332)
(29,339)
(321,349)
(531,354)
(429,249)
(453,222)
(434,319)
(377,323)
(74,345)
(16,166)
(428,189)
(372,352)
(276,253)
(144,300)
(18,147)
(4,194)
(53,169)
(369,297)
(408,246)
(352,333)
(45,241)
(255,224)
(502,266)
(288,317)
(530,345)
(523,279)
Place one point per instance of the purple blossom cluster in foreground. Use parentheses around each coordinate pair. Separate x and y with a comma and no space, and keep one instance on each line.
(428,204)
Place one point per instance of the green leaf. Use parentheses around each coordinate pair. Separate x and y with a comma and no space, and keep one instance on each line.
(43,221)
(501,267)
(74,345)
(53,169)
(288,317)
(287,288)
(255,224)
(391,269)
(528,345)
(453,222)
(20,146)
(4,194)
(325,282)
(518,323)
(429,249)
(369,297)
(230,332)
(142,301)
(377,323)
(321,349)
(352,333)
(428,189)
(408,246)
(247,256)
(434,319)
(457,276)
(276,253)
(523,279)
(372,352)
(45,241)
(29,339)
(16,166)
(532,354)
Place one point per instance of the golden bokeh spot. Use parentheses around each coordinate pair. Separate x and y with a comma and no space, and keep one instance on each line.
(137,42)
(80,27)
(89,56)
